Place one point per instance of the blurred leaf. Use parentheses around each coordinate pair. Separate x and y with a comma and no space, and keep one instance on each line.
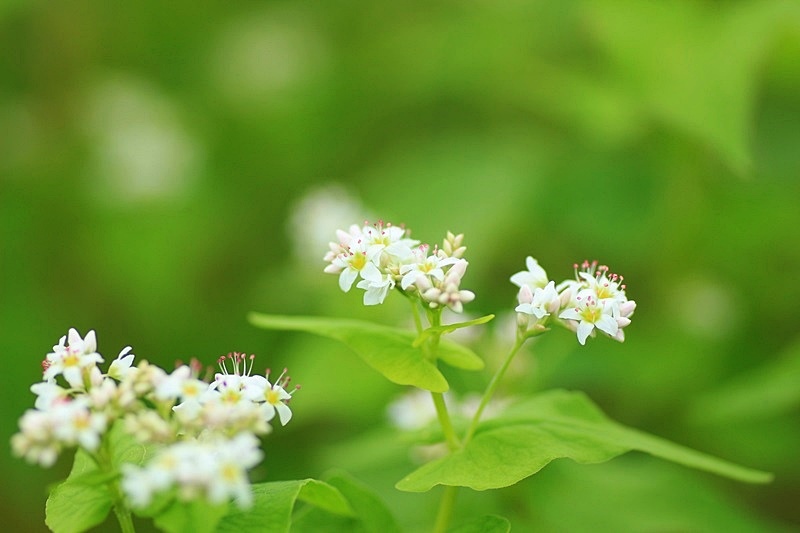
(83,500)
(388,350)
(371,514)
(549,426)
(692,65)
(197,516)
(771,390)
(273,504)
(79,502)
(636,494)
(484,524)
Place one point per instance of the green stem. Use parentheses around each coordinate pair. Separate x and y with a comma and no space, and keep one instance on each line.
(446,506)
(121,510)
(490,390)
(123,515)
(444,420)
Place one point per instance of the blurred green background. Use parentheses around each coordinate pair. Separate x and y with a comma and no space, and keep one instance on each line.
(166,167)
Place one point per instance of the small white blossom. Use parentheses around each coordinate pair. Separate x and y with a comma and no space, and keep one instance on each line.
(71,357)
(534,277)
(376,285)
(274,396)
(121,366)
(591,314)
(542,302)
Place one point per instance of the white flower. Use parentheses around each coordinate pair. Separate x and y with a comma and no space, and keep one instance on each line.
(274,396)
(71,357)
(543,301)
(376,285)
(424,265)
(387,240)
(352,262)
(592,314)
(534,277)
(447,293)
(625,310)
(181,384)
(48,393)
(74,423)
(121,367)
(36,441)
(214,468)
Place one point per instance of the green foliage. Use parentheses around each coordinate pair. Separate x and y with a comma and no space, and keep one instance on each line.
(85,498)
(197,515)
(388,350)
(274,502)
(370,513)
(80,502)
(484,524)
(549,426)
(769,390)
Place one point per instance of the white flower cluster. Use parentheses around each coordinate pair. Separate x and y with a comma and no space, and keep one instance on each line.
(594,300)
(383,256)
(204,433)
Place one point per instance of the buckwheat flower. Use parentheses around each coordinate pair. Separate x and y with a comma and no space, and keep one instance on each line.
(387,240)
(180,384)
(140,484)
(351,263)
(605,285)
(542,302)
(48,393)
(591,314)
(534,277)
(447,293)
(77,424)
(424,265)
(71,357)
(624,311)
(274,396)
(448,296)
(103,394)
(452,246)
(376,285)
(148,426)
(121,367)
(36,441)
(233,458)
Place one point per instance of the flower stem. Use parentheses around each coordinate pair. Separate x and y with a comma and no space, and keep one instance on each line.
(490,390)
(121,509)
(123,515)
(446,506)
(444,420)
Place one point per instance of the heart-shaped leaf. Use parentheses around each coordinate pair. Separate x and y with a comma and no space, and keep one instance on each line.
(550,426)
(274,502)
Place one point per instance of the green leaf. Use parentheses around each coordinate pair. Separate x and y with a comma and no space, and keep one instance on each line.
(197,516)
(371,515)
(484,524)
(768,391)
(273,504)
(550,426)
(388,350)
(83,500)
(370,510)
(80,502)
(666,56)
(447,328)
